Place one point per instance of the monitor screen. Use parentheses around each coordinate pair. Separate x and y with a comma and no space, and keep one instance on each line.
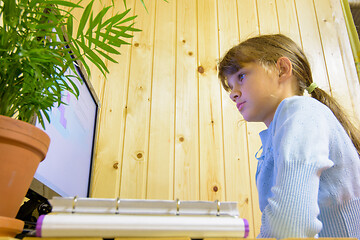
(72,130)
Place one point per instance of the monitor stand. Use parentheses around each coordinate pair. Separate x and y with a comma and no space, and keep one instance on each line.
(35,204)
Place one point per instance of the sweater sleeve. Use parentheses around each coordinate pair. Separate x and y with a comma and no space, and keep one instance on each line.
(300,145)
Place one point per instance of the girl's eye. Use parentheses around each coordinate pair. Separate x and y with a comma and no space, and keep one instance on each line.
(241,77)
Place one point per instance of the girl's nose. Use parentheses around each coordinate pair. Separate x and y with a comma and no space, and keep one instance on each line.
(234,95)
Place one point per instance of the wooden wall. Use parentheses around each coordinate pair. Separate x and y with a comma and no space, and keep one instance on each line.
(167,128)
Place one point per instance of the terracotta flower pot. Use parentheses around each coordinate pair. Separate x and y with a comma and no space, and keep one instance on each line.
(22,147)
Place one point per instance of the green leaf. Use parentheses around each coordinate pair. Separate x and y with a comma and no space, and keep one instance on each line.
(93,57)
(128,28)
(64,3)
(87,69)
(116,18)
(142,1)
(46,114)
(46,25)
(127,20)
(117,33)
(115,41)
(70,25)
(125,35)
(84,18)
(98,65)
(105,47)
(107,56)
(74,87)
(75,49)
(10,12)
(100,16)
(89,31)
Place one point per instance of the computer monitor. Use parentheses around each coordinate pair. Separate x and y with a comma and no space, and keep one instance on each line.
(72,129)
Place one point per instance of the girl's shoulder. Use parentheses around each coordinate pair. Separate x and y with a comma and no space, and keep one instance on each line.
(303,105)
(303,110)
(302,101)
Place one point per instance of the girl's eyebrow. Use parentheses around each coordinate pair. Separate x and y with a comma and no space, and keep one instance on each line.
(243,70)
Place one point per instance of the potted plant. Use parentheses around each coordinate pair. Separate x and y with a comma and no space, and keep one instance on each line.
(37,46)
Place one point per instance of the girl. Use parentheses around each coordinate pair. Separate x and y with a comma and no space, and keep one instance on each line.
(308,174)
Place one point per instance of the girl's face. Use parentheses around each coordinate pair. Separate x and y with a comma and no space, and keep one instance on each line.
(255,90)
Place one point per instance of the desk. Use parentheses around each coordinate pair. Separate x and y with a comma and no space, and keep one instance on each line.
(160,238)
(178,238)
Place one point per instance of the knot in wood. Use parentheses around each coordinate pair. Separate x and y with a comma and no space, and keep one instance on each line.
(201,69)
(116,165)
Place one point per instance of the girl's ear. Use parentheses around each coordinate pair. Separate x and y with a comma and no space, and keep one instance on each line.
(284,66)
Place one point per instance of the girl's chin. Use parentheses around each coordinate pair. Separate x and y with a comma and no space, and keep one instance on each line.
(247,118)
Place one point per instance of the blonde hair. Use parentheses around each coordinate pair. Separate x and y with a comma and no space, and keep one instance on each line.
(266,50)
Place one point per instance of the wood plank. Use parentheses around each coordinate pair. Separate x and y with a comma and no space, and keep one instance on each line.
(187,176)
(161,149)
(228,26)
(237,176)
(311,42)
(136,143)
(248,19)
(254,144)
(332,53)
(347,58)
(267,14)
(108,157)
(212,185)
(288,23)
(154,238)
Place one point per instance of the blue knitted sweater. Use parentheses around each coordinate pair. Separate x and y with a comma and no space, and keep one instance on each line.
(308,174)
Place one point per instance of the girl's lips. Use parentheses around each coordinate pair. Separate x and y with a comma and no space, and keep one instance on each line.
(240,106)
